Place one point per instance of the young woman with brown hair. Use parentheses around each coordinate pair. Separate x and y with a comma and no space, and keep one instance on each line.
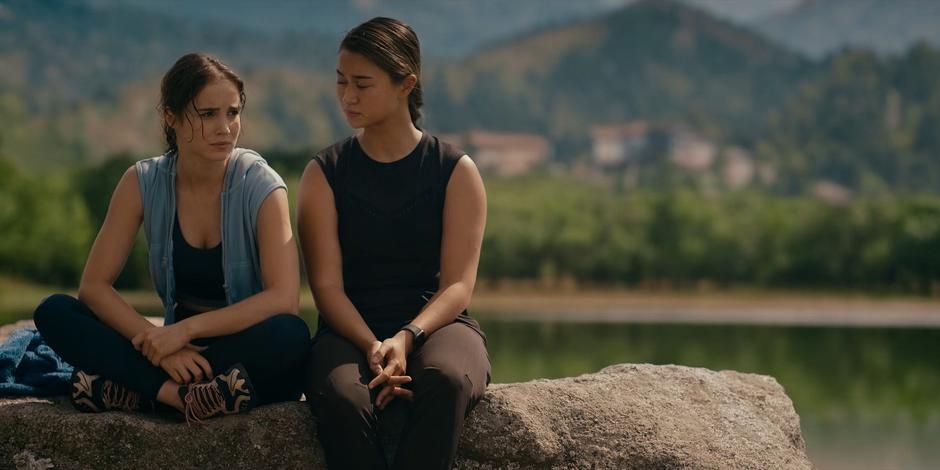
(222,259)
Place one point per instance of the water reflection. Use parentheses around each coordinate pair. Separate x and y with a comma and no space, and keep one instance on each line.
(867,398)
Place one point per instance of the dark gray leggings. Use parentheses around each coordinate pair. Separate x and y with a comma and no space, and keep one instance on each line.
(272,351)
(450,372)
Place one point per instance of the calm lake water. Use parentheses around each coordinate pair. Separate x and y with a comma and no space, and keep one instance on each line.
(867,397)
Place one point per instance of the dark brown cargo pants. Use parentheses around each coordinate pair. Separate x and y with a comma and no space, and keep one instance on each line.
(449,374)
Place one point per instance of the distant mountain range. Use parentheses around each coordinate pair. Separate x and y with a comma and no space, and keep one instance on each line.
(60,50)
(80,77)
(82,80)
(85,69)
(820,27)
(652,60)
(450,28)
(456,28)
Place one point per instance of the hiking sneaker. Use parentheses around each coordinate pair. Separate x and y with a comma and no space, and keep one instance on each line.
(94,394)
(227,393)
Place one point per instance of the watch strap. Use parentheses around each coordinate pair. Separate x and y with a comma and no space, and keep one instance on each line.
(418,333)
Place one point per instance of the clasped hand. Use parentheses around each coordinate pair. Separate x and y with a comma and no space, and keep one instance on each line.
(168,347)
(186,366)
(160,341)
(388,360)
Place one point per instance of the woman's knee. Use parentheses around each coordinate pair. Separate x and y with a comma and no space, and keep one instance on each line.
(444,379)
(288,332)
(288,324)
(347,398)
(52,309)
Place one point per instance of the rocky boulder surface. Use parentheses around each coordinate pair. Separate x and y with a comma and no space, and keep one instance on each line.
(626,416)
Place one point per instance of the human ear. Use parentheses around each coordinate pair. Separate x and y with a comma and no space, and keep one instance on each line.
(169,119)
(408,83)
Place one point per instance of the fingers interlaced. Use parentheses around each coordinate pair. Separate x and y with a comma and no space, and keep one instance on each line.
(393,389)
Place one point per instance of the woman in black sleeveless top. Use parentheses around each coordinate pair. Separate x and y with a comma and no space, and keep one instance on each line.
(391,223)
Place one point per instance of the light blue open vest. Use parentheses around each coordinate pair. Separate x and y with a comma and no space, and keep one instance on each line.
(248,181)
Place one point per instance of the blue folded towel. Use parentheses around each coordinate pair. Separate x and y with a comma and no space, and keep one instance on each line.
(28,366)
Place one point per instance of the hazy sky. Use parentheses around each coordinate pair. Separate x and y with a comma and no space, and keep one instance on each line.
(745,11)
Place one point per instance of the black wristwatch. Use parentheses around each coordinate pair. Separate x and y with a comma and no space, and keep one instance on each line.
(418,333)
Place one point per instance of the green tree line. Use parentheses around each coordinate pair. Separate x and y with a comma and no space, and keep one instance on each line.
(559,227)
(550,227)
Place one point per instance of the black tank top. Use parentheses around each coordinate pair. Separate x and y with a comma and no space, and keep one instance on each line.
(198,273)
(390,222)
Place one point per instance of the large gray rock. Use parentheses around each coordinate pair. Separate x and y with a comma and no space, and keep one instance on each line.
(625,416)
(637,416)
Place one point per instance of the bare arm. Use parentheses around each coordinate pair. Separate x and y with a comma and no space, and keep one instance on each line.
(464,221)
(279,273)
(108,255)
(319,240)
